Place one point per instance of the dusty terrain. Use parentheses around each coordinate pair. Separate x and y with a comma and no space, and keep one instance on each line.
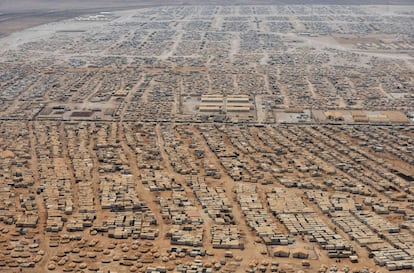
(228,138)
(19,15)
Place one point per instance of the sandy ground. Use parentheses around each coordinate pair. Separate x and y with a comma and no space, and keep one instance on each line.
(118,138)
(18,15)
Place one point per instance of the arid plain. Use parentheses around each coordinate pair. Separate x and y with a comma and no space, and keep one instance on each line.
(208,138)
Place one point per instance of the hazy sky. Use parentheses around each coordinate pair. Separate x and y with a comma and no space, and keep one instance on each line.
(48,5)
